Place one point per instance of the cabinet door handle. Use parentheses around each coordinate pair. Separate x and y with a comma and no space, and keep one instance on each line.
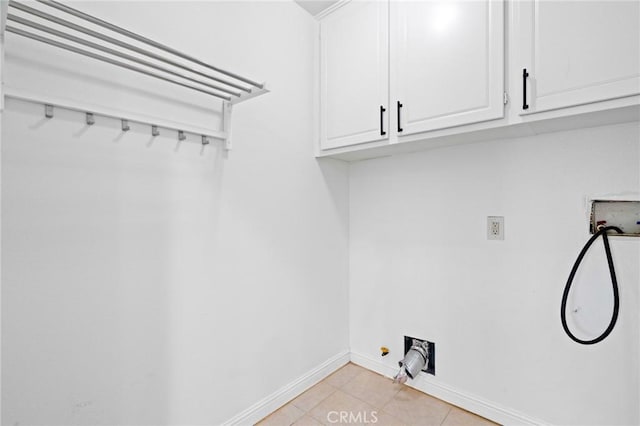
(525,74)
(399,126)
(382,110)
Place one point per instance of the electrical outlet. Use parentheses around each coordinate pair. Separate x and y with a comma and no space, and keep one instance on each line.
(495,228)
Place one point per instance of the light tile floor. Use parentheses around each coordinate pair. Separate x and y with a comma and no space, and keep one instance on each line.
(355,395)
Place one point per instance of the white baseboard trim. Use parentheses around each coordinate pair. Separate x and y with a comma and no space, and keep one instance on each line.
(464,400)
(267,405)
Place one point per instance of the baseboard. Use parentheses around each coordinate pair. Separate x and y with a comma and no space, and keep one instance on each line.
(464,400)
(285,394)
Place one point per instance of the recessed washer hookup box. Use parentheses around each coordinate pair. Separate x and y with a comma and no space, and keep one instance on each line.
(623,214)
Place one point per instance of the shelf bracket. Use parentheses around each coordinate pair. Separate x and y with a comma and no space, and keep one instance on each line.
(227,109)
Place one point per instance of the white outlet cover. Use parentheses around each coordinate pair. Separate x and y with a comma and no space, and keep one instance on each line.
(495,227)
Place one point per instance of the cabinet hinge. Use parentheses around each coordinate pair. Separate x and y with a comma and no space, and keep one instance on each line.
(505,98)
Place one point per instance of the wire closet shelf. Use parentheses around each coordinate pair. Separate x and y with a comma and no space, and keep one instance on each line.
(161,62)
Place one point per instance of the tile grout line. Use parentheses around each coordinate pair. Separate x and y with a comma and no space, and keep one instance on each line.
(382,407)
(320,402)
(336,388)
(445,417)
(308,412)
(343,391)
(389,402)
(339,389)
(350,394)
(361,400)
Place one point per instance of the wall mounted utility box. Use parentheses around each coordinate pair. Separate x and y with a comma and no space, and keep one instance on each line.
(623,214)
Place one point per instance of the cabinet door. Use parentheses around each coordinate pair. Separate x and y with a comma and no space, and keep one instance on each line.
(354,88)
(447,63)
(577,52)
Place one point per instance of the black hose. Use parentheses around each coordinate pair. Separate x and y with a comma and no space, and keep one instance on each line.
(614,283)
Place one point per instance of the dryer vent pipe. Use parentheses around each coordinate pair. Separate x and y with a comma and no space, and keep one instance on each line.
(415,360)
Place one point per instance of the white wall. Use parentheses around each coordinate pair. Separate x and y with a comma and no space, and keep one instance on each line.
(149,283)
(420,265)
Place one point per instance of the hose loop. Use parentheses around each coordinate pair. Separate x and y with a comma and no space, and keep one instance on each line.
(614,283)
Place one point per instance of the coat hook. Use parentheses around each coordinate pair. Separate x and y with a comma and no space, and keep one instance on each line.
(205,140)
(125,125)
(155,131)
(48,111)
(181,135)
(90,119)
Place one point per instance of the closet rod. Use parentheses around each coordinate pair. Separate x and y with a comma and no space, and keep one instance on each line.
(109,60)
(120,43)
(110,51)
(112,27)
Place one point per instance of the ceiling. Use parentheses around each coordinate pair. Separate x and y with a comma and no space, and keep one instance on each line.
(314,7)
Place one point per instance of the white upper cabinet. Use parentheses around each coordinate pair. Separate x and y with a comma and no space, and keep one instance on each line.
(447,63)
(577,52)
(397,68)
(354,86)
